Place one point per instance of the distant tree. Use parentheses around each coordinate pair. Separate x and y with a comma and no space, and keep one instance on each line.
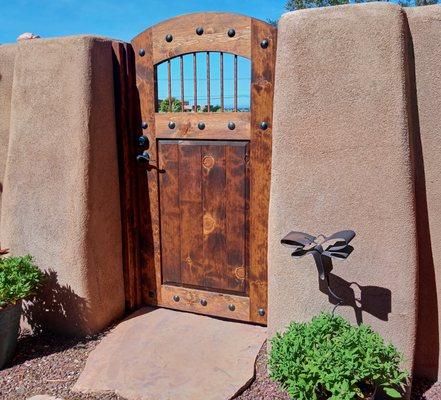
(170,105)
(292,5)
(212,108)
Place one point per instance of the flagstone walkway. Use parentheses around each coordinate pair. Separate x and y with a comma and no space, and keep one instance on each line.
(162,354)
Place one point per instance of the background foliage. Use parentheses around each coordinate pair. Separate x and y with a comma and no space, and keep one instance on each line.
(330,358)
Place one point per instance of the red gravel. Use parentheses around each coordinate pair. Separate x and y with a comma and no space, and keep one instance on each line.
(50,365)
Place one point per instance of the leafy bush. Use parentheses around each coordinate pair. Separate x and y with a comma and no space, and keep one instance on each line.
(170,105)
(328,358)
(19,278)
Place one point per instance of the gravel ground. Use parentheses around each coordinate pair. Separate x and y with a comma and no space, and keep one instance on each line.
(51,365)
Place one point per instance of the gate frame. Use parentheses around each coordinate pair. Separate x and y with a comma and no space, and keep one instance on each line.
(140,208)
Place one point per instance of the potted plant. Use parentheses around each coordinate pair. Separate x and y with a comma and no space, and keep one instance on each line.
(328,358)
(19,279)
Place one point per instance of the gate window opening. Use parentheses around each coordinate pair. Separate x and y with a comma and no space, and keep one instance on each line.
(203,82)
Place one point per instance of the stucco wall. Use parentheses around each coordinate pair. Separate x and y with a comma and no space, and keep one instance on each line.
(342,160)
(61,195)
(7,56)
(425,27)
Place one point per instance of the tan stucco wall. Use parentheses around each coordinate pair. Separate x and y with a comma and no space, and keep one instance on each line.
(341,160)
(7,56)
(425,26)
(61,195)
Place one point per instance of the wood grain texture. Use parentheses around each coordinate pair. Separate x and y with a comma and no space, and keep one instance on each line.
(213,194)
(185,40)
(149,229)
(124,67)
(170,212)
(262,91)
(190,194)
(217,303)
(226,253)
(216,125)
(236,221)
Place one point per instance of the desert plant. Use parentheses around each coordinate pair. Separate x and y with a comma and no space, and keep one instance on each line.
(328,358)
(19,279)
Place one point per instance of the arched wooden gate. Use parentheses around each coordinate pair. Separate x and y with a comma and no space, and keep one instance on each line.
(204,171)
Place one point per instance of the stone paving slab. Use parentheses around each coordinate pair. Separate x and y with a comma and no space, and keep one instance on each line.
(160,354)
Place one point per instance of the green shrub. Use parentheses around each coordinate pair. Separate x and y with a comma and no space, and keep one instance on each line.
(170,105)
(328,358)
(19,279)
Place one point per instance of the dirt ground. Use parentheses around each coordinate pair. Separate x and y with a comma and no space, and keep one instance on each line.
(48,364)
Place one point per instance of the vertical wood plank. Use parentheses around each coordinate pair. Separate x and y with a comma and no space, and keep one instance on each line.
(124,150)
(192,269)
(236,217)
(149,236)
(262,89)
(170,212)
(213,192)
(134,130)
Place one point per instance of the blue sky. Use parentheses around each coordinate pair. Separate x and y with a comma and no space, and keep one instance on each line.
(117,19)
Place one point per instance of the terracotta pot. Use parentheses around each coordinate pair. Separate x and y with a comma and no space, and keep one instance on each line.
(9,328)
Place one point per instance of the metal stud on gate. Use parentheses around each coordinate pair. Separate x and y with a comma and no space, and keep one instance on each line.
(176,298)
(231,32)
(264,125)
(261,312)
(201,126)
(168,38)
(171,125)
(231,307)
(143,141)
(199,30)
(141,52)
(203,302)
(264,43)
(231,126)
(144,125)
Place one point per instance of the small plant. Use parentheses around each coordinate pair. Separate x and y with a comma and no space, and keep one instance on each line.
(170,105)
(19,279)
(328,358)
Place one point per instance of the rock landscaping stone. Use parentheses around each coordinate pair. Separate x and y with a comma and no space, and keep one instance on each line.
(163,355)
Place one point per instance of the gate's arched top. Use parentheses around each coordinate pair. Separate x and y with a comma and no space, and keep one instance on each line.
(208,31)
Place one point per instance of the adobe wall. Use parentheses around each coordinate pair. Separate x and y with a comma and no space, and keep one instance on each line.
(342,160)
(61,193)
(425,27)
(7,55)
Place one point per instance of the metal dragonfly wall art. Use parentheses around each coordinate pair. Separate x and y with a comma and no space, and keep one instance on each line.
(321,248)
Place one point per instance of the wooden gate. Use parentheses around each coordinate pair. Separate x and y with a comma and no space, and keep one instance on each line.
(203,174)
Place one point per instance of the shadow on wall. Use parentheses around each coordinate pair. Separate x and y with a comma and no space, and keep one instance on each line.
(374,300)
(427,342)
(56,308)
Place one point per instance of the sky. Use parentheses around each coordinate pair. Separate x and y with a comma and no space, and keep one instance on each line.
(123,20)
(118,19)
